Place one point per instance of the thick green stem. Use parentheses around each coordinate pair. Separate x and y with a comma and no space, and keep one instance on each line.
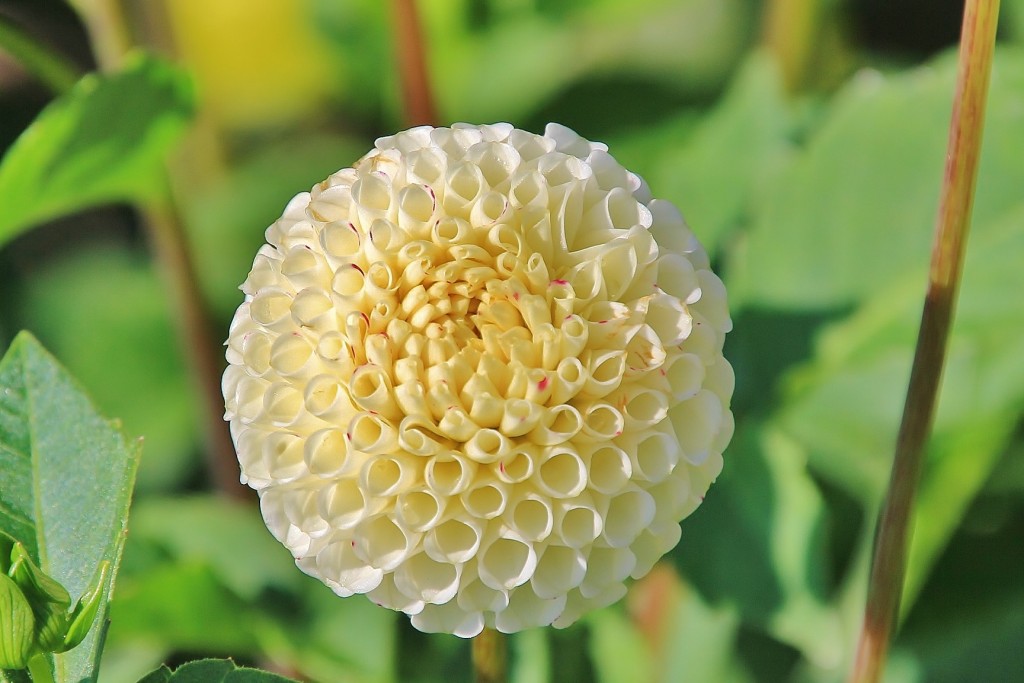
(39,669)
(56,72)
(489,655)
(412,65)
(890,554)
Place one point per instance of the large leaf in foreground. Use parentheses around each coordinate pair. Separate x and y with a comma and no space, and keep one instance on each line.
(104,140)
(772,565)
(725,166)
(858,207)
(212,671)
(844,407)
(66,478)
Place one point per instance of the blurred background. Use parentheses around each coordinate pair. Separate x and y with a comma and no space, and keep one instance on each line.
(803,140)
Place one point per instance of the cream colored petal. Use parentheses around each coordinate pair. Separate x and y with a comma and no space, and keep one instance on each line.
(449,618)
(506,561)
(527,610)
(432,582)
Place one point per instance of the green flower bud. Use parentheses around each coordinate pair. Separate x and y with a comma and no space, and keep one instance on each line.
(17,626)
(84,612)
(48,599)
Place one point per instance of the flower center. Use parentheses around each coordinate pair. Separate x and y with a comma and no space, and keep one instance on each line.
(468,342)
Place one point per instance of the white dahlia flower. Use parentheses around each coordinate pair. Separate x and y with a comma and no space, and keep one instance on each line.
(479,377)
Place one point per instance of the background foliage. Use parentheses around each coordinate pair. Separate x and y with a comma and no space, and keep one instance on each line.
(813,182)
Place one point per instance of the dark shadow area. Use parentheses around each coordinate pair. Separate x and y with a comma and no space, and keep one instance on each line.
(909,28)
(598,107)
(967,624)
(768,660)
(725,547)
(763,345)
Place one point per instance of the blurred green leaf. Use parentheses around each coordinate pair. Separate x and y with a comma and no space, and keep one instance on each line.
(968,623)
(699,641)
(723,167)
(181,607)
(530,658)
(104,140)
(217,532)
(66,479)
(189,601)
(845,406)
(212,671)
(511,65)
(758,543)
(360,32)
(1012,17)
(857,208)
(617,649)
(105,313)
(342,640)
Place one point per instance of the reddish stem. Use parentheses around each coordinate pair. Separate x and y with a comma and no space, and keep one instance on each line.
(412,65)
(890,555)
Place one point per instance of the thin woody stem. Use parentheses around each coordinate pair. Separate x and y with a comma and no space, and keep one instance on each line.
(52,69)
(412,65)
(489,657)
(790,29)
(891,544)
(111,40)
(166,235)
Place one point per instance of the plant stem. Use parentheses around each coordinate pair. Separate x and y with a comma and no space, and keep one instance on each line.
(56,72)
(890,554)
(489,657)
(111,39)
(39,669)
(412,65)
(791,29)
(170,247)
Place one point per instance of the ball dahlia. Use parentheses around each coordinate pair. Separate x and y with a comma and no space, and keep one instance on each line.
(478,377)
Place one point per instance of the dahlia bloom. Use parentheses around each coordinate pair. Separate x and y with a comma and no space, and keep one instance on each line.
(478,377)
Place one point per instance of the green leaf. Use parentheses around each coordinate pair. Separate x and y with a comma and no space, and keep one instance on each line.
(617,650)
(699,640)
(530,657)
(17,626)
(716,175)
(212,671)
(757,542)
(844,407)
(955,639)
(65,482)
(104,140)
(181,527)
(49,600)
(161,675)
(61,304)
(184,607)
(486,74)
(857,209)
(335,639)
(84,612)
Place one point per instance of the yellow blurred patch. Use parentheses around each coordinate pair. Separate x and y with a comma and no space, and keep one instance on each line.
(256,63)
